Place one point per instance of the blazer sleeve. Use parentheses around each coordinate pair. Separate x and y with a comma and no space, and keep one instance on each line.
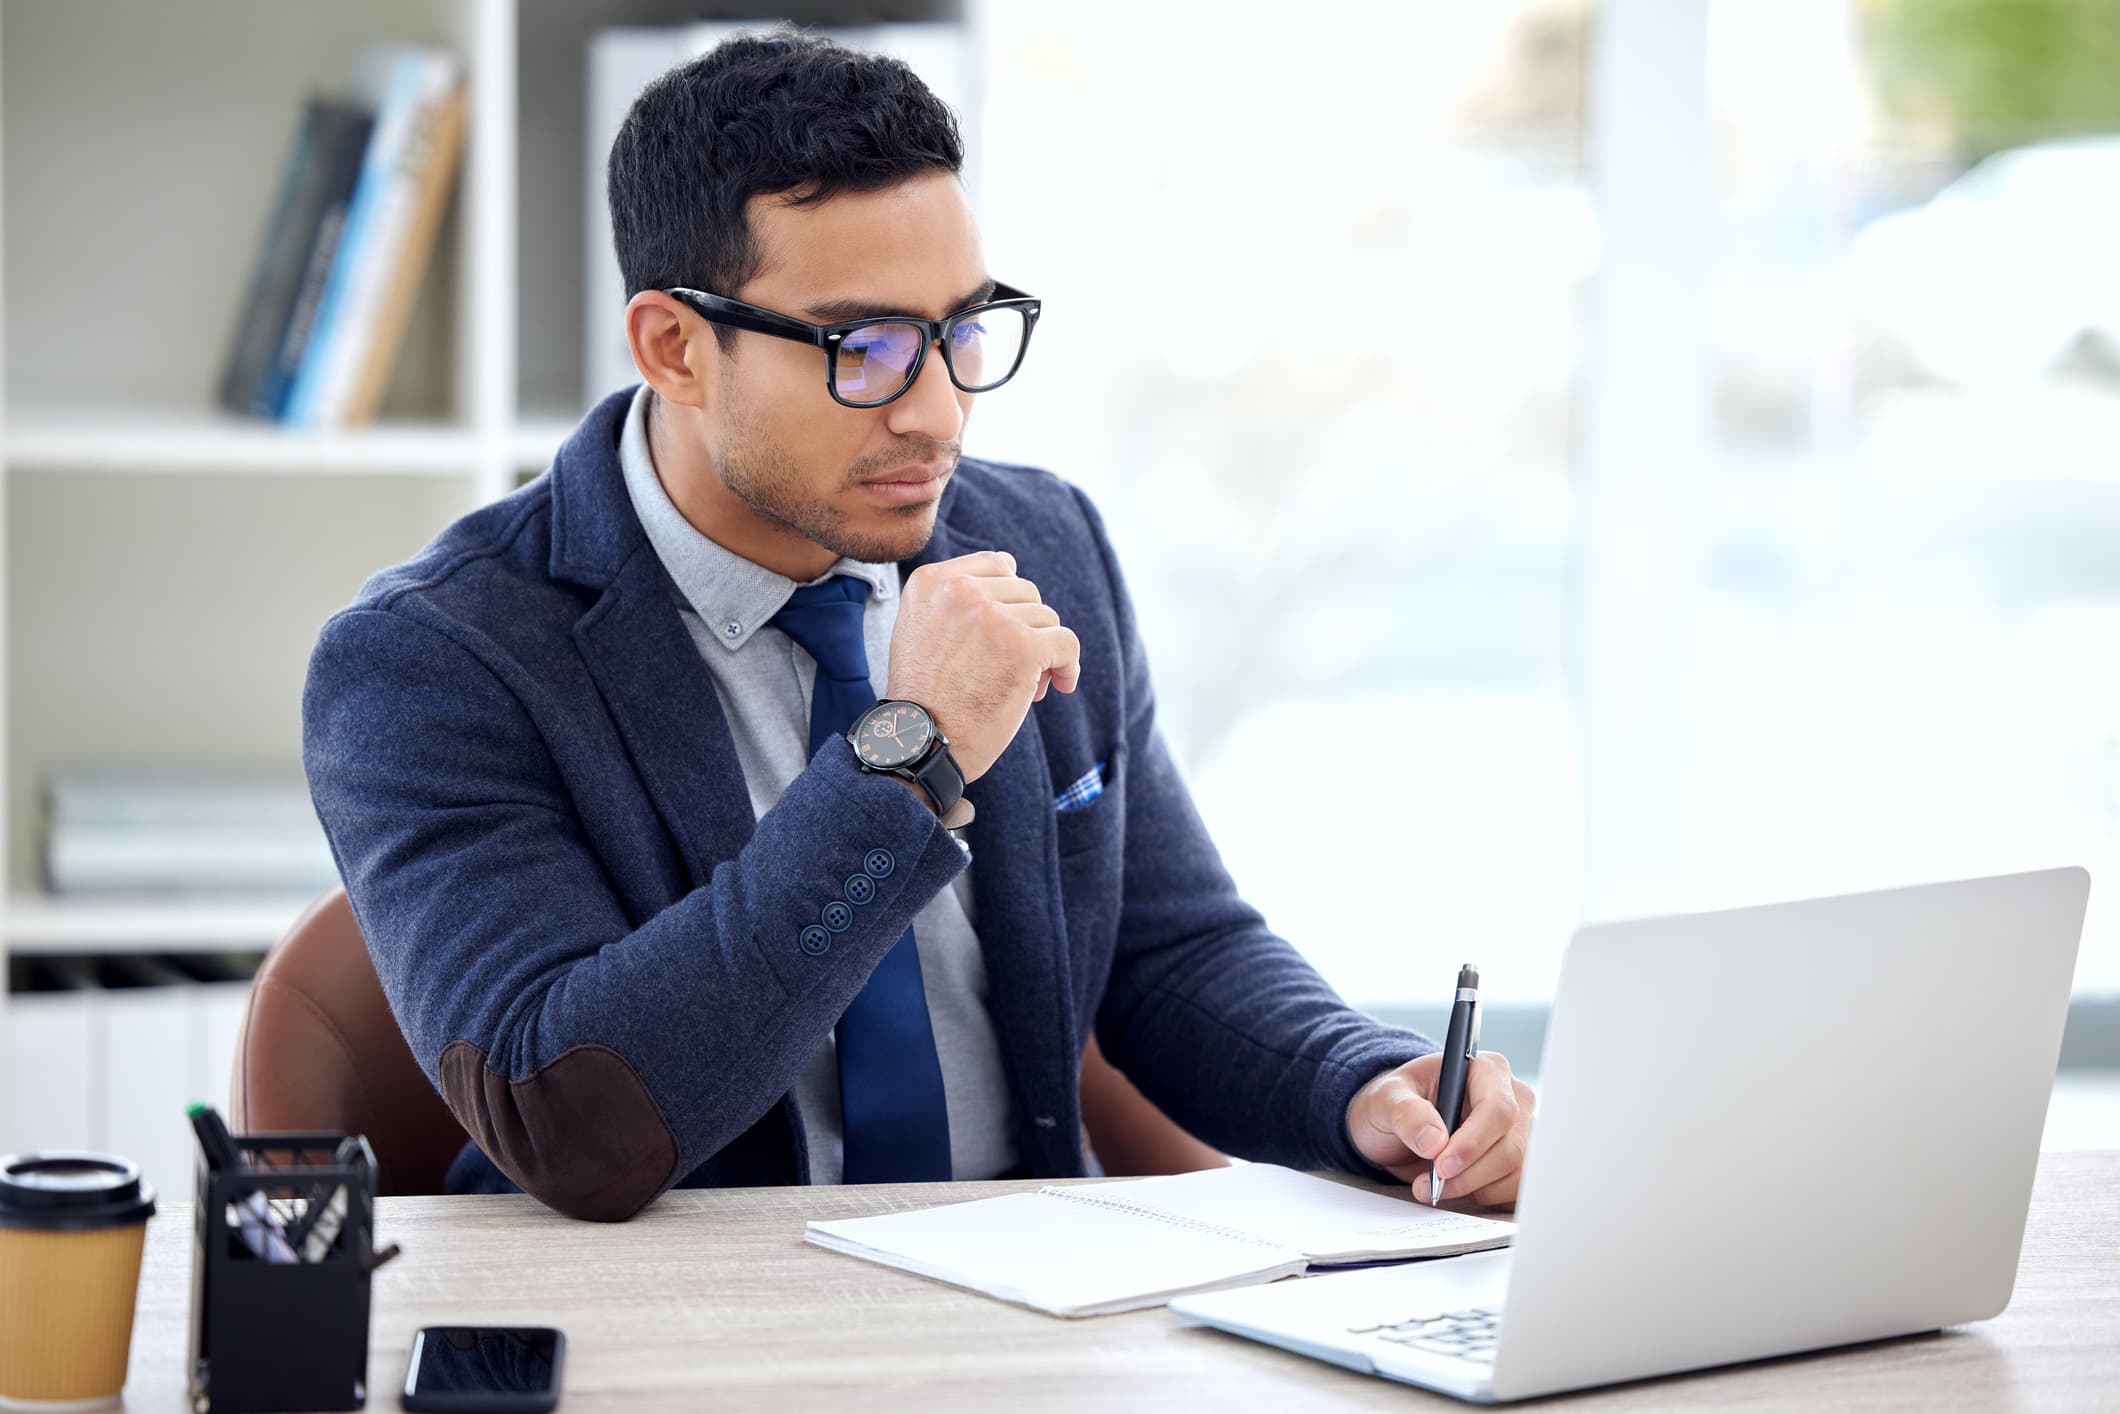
(594,1061)
(1218,1019)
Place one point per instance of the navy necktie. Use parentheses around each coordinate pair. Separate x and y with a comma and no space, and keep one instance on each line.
(895,1124)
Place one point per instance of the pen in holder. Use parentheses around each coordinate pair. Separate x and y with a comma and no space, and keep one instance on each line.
(283,1237)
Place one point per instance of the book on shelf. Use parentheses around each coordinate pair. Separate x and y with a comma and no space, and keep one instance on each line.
(411,88)
(302,231)
(426,175)
(160,793)
(348,242)
(198,859)
(168,829)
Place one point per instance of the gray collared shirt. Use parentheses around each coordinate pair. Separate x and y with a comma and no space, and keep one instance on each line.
(763,678)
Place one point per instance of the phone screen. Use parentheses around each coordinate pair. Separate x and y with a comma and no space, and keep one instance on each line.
(484,1368)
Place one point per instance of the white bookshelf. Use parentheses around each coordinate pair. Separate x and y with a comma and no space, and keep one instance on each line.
(43,927)
(167,564)
(185,439)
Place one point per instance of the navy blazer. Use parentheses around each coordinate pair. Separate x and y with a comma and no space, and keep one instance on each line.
(601,959)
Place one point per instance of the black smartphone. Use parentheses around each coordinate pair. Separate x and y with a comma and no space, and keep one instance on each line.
(489,1368)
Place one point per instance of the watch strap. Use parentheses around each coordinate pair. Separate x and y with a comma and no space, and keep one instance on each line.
(941,776)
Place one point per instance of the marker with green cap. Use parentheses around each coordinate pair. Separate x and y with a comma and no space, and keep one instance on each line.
(259,1225)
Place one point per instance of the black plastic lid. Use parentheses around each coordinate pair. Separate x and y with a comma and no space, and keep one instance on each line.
(61,1191)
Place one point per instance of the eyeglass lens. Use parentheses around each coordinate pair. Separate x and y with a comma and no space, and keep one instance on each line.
(876,360)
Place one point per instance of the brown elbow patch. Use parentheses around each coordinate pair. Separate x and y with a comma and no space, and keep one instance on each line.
(582,1135)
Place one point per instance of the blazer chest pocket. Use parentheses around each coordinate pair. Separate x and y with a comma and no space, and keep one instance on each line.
(1089,810)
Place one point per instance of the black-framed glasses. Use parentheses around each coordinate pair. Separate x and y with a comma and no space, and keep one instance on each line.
(868,362)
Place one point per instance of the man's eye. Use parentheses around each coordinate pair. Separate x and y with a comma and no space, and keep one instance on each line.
(969,331)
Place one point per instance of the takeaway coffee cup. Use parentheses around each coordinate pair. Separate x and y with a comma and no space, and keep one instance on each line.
(71,1229)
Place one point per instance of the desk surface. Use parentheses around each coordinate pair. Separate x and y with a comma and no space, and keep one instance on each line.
(711,1300)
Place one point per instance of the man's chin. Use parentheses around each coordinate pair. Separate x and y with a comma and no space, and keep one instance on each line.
(888,535)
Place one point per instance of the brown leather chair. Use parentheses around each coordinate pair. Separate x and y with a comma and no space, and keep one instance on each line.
(319,1050)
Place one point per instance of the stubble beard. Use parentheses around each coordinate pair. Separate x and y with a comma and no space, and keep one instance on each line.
(768,481)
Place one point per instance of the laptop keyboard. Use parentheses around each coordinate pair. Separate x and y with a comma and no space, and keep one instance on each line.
(1469,1334)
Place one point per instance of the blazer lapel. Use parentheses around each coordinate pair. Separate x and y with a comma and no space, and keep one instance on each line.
(666,708)
(635,647)
(1016,894)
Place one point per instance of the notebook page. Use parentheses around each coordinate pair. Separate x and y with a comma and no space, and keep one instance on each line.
(1326,1221)
(1068,1258)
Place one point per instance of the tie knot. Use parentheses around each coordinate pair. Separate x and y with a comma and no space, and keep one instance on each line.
(826,620)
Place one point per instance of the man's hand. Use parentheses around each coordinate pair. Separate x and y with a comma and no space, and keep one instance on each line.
(1394,1125)
(976,646)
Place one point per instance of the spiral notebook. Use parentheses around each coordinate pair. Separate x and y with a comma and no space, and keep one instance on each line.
(1092,1249)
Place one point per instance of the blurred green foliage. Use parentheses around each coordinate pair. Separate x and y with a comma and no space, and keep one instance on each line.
(1997,73)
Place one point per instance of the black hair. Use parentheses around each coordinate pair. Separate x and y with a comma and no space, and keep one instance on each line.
(781,111)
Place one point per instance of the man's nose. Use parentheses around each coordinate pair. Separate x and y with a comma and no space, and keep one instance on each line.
(930,406)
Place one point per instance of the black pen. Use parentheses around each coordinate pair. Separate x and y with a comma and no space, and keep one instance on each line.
(259,1225)
(1460,1044)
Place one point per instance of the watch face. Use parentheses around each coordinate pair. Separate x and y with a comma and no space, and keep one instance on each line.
(893,734)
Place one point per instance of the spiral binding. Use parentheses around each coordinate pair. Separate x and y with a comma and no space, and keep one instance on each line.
(1077,1195)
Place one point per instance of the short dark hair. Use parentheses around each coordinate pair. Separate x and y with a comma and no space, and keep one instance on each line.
(781,111)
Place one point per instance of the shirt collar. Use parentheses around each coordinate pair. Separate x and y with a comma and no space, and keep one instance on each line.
(734,596)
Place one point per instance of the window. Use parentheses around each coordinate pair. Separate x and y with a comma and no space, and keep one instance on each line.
(1658,461)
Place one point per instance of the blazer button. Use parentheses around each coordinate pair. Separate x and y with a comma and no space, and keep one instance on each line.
(816,941)
(877,863)
(838,916)
(861,888)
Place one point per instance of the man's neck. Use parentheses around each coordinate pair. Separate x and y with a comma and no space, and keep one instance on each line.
(693,485)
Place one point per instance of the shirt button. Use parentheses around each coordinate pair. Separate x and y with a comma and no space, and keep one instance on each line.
(732,628)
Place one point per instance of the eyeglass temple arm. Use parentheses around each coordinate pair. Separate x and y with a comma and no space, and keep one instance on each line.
(717,310)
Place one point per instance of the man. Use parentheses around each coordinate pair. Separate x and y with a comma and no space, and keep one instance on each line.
(659,889)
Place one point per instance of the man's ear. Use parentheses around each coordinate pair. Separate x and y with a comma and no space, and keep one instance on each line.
(674,350)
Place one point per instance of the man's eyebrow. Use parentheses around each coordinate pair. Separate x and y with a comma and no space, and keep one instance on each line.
(841,311)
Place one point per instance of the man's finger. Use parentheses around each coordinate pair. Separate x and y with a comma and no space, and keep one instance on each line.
(984,562)
(1502,1193)
(1398,1111)
(1032,612)
(1062,655)
(1491,1168)
(1490,1112)
(1008,589)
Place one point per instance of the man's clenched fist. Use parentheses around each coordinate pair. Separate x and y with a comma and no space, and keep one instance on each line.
(975,646)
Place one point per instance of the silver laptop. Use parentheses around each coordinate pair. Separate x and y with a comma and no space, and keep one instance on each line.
(1761,1131)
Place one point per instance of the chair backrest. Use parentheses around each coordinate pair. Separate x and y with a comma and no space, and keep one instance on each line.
(319,1050)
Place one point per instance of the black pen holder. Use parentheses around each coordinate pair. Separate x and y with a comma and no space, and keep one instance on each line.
(279,1304)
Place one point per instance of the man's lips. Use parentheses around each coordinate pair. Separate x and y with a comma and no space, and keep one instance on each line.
(909,475)
(906,485)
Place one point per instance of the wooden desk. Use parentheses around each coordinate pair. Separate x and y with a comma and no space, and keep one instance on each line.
(711,1300)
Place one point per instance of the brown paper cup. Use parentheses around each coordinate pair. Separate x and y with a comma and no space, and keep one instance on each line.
(71,1230)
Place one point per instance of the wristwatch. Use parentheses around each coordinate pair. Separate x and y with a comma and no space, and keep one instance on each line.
(898,738)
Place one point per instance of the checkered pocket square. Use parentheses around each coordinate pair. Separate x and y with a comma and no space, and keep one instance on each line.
(1083,791)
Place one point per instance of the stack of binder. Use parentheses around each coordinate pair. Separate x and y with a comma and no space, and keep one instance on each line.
(138,830)
(347,242)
